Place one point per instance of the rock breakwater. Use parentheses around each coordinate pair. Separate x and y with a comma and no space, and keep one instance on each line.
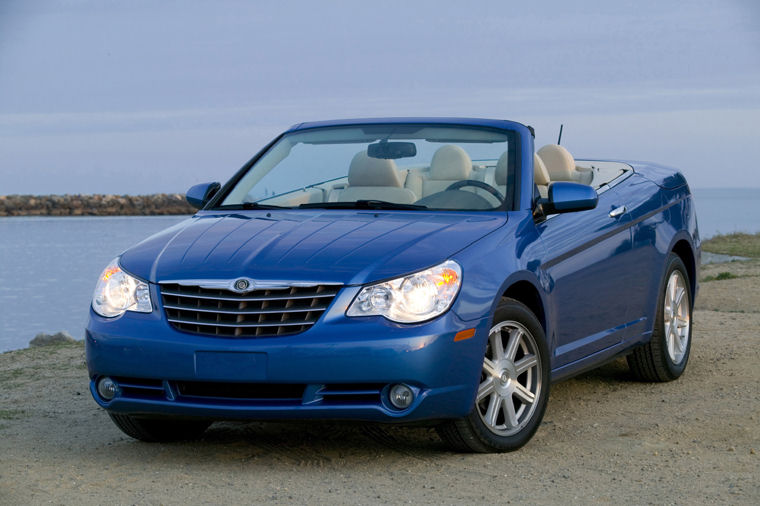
(94,205)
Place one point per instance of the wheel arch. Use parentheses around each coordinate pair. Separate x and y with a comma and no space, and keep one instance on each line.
(682,248)
(526,292)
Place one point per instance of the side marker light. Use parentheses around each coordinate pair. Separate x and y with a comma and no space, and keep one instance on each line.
(464,334)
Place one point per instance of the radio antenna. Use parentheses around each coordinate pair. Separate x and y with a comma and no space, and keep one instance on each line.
(559,139)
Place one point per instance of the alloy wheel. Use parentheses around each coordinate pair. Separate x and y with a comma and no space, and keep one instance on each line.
(510,382)
(677,317)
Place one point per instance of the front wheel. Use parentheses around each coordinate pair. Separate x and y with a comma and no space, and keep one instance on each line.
(513,388)
(665,356)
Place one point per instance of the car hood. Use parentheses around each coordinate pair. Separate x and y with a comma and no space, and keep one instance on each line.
(335,246)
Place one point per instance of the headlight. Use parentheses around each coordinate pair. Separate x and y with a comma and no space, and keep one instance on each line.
(117,292)
(414,298)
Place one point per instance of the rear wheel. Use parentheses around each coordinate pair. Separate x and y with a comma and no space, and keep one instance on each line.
(665,356)
(155,430)
(513,388)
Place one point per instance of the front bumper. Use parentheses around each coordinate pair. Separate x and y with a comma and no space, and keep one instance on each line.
(341,368)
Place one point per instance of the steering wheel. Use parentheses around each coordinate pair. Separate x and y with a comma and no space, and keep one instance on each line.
(479,184)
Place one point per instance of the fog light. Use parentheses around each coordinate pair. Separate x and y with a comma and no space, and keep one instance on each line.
(107,388)
(401,396)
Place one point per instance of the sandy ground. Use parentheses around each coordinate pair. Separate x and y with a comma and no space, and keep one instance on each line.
(605,438)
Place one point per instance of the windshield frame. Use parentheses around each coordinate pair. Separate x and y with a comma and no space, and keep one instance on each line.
(517,138)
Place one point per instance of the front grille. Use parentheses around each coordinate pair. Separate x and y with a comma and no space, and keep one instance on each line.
(260,313)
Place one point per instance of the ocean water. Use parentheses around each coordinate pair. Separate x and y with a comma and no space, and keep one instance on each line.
(727,210)
(48,266)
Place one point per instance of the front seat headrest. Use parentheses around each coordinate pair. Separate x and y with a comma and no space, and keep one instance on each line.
(558,161)
(367,171)
(450,163)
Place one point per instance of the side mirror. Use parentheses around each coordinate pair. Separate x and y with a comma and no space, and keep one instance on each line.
(199,195)
(567,197)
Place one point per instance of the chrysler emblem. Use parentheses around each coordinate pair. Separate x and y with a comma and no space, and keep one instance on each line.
(242,285)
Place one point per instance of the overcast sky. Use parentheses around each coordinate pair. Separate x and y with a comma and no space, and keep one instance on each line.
(146,96)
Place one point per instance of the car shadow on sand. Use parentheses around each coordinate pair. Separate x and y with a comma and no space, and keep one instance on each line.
(320,442)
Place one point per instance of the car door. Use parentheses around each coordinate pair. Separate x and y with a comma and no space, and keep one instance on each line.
(586,260)
(645,205)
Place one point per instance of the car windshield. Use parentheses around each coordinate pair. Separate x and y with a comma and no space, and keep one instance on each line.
(386,166)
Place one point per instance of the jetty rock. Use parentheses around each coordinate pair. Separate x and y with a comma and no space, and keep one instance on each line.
(43,339)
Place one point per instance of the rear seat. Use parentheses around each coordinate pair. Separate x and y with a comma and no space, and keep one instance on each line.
(560,165)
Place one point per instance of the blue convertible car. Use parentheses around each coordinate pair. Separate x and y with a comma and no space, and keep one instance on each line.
(435,270)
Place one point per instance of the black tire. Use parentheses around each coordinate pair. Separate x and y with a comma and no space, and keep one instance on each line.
(473,433)
(157,430)
(654,361)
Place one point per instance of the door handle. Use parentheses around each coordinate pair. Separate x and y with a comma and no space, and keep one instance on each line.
(618,211)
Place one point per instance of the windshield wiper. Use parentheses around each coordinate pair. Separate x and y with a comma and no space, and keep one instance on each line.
(246,206)
(360,204)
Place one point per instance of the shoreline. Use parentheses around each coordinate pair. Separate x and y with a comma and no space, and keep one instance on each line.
(158,204)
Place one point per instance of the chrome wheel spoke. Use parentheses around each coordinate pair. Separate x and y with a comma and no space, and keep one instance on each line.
(490,369)
(679,343)
(526,363)
(486,388)
(668,329)
(678,299)
(510,417)
(524,394)
(513,343)
(497,346)
(492,414)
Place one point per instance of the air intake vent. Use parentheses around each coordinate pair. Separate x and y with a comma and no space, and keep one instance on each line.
(350,393)
(240,391)
(141,388)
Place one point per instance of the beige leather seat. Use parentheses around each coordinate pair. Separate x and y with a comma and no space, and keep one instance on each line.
(540,174)
(450,164)
(374,179)
(560,165)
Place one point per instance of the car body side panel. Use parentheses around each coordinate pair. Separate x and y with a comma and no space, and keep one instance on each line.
(645,259)
(664,177)
(655,236)
(660,218)
(584,250)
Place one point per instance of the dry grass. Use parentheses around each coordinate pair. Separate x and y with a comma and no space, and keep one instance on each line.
(740,244)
